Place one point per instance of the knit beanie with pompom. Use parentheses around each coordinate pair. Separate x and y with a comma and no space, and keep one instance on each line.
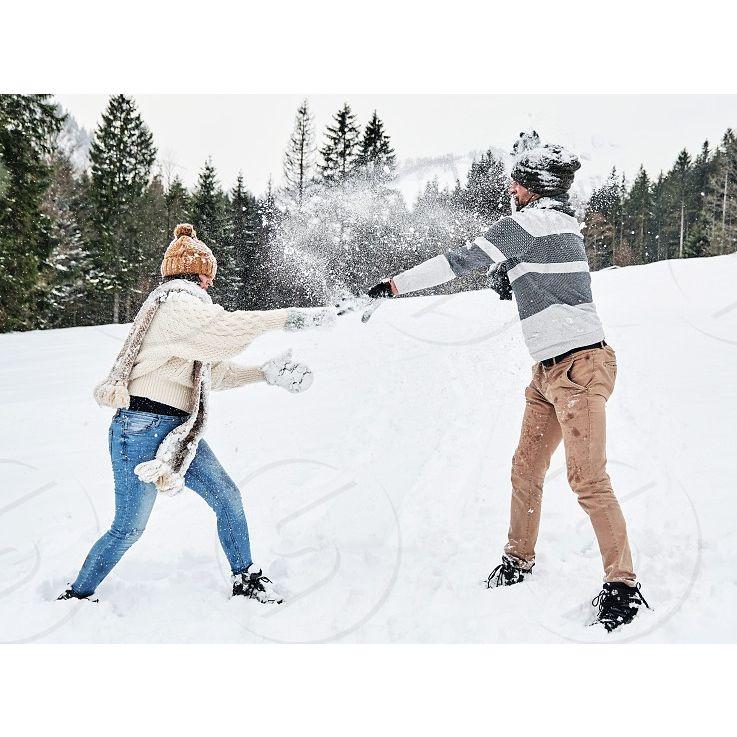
(546,170)
(187,255)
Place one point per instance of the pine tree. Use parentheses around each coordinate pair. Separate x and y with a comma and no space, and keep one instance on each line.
(28,127)
(268,220)
(244,236)
(486,188)
(207,208)
(700,173)
(209,215)
(268,212)
(121,158)
(177,205)
(340,149)
(155,237)
(638,219)
(603,219)
(679,184)
(375,158)
(721,198)
(298,158)
(662,215)
(66,291)
(698,240)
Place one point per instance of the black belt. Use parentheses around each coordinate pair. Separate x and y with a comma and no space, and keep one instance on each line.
(548,362)
(144,404)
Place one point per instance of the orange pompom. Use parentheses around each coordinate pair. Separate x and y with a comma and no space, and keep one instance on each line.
(184,229)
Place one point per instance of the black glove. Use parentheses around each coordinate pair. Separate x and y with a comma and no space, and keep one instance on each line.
(499,282)
(382,290)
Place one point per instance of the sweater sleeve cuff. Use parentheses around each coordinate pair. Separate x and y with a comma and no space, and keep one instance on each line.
(226,375)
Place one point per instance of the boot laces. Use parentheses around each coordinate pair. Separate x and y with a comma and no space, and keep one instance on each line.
(253,583)
(256,581)
(505,573)
(613,604)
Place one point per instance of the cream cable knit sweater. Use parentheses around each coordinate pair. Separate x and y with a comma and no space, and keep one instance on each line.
(185,330)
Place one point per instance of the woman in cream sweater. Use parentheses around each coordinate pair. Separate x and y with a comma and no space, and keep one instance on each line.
(177,350)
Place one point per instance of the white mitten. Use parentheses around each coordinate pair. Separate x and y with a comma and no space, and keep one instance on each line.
(282,371)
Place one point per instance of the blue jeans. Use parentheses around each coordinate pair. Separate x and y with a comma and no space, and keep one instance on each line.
(133,438)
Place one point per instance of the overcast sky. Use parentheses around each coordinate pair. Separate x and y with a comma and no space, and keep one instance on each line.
(249,132)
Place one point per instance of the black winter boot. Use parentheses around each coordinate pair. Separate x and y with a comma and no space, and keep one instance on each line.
(507,573)
(253,585)
(618,604)
(70,593)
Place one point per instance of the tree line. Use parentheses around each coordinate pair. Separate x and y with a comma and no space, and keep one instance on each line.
(688,211)
(83,246)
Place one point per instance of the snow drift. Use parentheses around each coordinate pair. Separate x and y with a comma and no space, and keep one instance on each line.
(378,500)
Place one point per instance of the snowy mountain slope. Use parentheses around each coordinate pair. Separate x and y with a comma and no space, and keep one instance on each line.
(413,175)
(379,499)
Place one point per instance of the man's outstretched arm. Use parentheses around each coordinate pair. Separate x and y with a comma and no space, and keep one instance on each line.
(481,254)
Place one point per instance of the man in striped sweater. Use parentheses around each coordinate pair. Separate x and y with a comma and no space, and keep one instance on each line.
(539,252)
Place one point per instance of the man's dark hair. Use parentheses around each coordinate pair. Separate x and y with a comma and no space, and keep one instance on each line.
(187,277)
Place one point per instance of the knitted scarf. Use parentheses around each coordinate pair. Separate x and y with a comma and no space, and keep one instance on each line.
(177,450)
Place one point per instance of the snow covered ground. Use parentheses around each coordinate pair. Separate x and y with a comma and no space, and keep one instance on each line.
(378,500)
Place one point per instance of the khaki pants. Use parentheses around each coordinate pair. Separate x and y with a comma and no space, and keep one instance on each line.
(567,401)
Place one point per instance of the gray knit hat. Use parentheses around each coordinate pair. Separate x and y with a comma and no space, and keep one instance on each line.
(545,170)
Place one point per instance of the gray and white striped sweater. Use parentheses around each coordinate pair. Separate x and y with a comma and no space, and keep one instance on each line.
(543,250)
